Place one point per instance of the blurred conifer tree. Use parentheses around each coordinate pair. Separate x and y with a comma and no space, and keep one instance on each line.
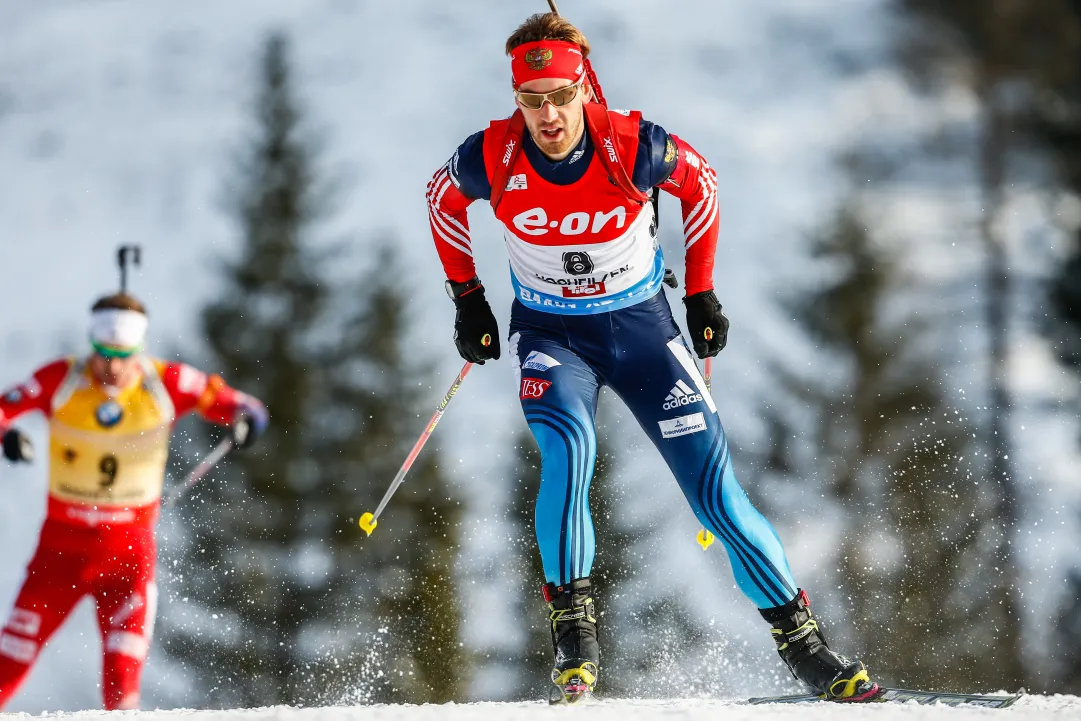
(416,546)
(1022,61)
(282,599)
(920,526)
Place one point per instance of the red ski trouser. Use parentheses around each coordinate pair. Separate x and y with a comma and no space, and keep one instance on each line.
(114,565)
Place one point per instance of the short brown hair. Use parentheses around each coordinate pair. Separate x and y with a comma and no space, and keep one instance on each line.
(119,301)
(547,26)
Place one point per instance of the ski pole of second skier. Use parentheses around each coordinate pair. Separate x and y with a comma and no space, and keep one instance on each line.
(369,521)
(705,538)
(197,474)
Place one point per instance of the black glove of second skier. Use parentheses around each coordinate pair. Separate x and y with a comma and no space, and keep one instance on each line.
(476,333)
(244,432)
(706,323)
(17,446)
(250,422)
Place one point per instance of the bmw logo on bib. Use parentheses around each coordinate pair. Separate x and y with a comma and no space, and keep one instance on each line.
(109,413)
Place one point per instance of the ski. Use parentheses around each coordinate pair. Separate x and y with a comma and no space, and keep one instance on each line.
(900,694)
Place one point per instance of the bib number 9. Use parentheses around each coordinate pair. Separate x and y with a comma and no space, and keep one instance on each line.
(108,468)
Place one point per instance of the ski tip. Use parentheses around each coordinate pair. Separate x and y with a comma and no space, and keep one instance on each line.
(705,539)
(368,523)
(897,695)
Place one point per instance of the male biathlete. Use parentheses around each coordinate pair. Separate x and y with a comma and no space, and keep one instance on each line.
(571,182)
(110,416)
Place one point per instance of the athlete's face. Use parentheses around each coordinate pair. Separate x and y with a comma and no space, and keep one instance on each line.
(556,131)
(115,372)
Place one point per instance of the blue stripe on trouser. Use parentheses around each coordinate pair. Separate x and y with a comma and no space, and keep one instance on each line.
(568,453)
(749,559)
(626,350)
(540,428)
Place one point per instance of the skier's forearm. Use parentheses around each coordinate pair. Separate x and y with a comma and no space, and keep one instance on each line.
(699,261)
(694,182)
(192,390)
(222,405)
(35,394)
(450,226)
(225,406)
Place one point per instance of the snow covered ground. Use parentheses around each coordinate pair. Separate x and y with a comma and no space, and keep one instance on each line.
(1030,707)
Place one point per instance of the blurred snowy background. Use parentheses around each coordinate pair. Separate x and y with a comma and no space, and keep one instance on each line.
(898,185)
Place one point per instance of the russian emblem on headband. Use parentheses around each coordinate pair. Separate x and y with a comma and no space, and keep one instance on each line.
(538,58)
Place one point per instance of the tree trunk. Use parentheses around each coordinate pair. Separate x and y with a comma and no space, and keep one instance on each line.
(992,151)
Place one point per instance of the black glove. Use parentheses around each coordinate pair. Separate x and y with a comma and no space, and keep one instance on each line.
(17,446)
(706,323)
(246,430)
(476,333)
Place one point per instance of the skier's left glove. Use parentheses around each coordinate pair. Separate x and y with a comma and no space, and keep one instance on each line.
(706,323)
(250,422)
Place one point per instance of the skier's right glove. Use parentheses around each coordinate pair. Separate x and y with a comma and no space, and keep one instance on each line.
(17,446)
(476,334)
(706,323)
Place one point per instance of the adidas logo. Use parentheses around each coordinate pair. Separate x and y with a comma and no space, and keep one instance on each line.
(681,395)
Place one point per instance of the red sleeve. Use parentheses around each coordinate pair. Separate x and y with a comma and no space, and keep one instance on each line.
(450,226)
(193,390)
(36,394)
(695,184)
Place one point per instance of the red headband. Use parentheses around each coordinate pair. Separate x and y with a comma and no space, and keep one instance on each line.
(546,59)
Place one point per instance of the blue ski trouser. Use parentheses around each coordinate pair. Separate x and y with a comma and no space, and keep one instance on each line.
(640,354)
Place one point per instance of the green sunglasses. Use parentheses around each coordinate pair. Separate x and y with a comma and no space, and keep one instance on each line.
(108,351)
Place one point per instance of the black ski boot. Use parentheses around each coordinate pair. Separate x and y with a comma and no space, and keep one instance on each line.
(574,639)
(804,650)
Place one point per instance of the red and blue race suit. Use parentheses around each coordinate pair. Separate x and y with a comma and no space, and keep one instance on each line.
(588,312)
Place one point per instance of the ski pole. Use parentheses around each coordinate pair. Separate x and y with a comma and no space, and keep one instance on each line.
(705,538)
(369,521)
(197,474)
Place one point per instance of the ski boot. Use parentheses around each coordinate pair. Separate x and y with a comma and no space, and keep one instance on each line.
(574,638)
(804,650)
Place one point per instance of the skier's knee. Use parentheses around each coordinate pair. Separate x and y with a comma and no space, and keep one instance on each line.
(125,643)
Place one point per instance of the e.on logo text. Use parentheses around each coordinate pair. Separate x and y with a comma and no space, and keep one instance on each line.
(535,221)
